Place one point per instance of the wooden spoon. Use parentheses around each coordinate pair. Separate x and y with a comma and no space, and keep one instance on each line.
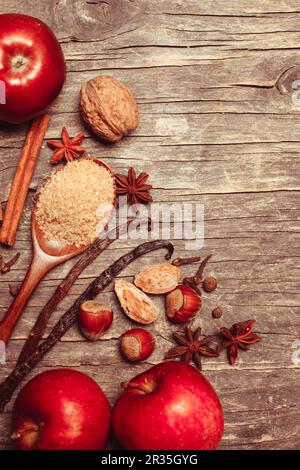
(46,255)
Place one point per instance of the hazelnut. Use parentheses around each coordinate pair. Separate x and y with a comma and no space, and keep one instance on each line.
(94,319)
(137,344)
(109,108)
(182,304)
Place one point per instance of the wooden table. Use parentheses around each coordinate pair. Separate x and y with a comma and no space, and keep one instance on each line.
(213,81)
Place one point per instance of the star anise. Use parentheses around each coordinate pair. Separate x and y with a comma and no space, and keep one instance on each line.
(239,335)
(134,187)
(68,148)
(191,346)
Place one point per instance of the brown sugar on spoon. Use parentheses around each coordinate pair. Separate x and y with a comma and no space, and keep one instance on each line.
(68,207)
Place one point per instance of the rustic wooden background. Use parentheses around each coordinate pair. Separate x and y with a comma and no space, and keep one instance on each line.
(213,81)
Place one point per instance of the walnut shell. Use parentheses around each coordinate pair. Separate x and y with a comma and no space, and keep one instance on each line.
(109,108)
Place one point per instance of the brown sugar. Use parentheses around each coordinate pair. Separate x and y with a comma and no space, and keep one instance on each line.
(75,203)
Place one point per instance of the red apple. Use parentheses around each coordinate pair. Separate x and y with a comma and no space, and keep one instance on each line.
(32,67)
(169,407)
(61,409)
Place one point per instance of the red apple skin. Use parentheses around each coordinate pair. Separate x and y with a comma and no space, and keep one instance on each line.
(32,66)
(61,409)
(169,407)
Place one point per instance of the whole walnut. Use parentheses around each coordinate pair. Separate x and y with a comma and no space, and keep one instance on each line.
(109,108)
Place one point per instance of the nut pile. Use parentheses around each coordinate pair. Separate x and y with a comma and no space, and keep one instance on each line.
(182,303)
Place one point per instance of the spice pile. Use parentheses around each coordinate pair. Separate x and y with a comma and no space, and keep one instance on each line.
(69,206)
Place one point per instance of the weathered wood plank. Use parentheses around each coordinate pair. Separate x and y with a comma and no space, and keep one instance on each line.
(233,172)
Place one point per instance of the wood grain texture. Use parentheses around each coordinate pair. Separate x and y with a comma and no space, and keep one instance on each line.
(213,81)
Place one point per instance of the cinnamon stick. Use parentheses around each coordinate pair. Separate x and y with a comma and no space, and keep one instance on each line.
(22,179)
(68,319)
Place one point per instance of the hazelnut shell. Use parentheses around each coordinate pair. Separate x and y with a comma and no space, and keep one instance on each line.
(137,344)
(182,304)
(94,319)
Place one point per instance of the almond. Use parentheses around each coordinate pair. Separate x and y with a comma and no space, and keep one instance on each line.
(158,278)
(135,303)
